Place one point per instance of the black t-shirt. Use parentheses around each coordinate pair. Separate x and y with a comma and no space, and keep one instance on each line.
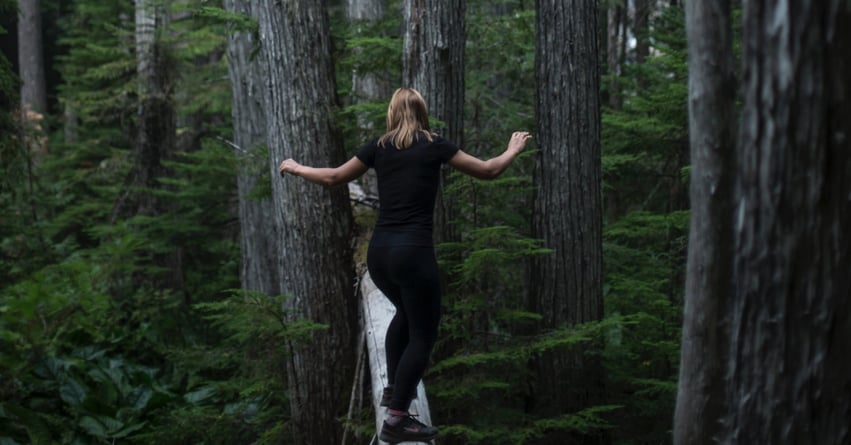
(407,187)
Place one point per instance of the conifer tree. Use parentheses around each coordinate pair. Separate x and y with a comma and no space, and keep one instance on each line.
(566,285)
(314,252)
(712,94)
(433,63)
(257,223)
(31,57)
(786,323)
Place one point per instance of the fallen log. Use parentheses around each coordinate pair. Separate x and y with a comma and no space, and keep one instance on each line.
(377,313)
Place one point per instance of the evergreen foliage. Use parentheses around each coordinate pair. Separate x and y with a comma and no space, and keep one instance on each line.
(9,99)
(91,351)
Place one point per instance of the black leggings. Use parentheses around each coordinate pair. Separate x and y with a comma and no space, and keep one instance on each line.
(408,276)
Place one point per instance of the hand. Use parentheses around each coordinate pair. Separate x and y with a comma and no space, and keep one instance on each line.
(288,166)
(518,141)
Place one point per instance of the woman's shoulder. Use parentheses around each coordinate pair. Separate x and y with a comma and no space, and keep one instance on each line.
(437,139)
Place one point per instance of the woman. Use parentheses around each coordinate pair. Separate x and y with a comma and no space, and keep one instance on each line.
(400,259)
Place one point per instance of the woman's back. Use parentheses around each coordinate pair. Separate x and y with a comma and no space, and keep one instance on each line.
(408,180)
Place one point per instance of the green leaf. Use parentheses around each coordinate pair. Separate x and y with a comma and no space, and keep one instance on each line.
(73,392)
(200,395)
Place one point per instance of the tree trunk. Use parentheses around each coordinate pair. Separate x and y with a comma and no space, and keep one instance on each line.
(315,257)
(712,95)
(155,132)
(370,86)
(156,128)
(259,271)
(433,63)
(566,285)
(613,53)
(31,57)
(789,376)
(641,29)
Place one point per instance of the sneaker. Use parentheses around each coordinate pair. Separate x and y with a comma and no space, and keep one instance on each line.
(387,396)
(408,429)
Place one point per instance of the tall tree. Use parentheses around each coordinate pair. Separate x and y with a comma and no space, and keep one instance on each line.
(642,10)
(155,132)
(31,56)
(566,285)
(615,20)
(367,86)
(433,63)
(314,250)
(712,133)
(788,314)
(788,370)
(256,212)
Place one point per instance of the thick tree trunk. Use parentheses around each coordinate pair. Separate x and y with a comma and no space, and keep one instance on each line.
(259,271)
(789,373)
(433,63)
(566,285)
(315,257)
(712,95)
(31,57)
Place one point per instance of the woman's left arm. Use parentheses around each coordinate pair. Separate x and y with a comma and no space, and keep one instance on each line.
(329,177)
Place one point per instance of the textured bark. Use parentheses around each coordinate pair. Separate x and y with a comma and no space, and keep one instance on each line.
(433,63)
(315,259)
(31,56)
(789,376)
(712,131)
(566,285)
(258,271)
(567,172)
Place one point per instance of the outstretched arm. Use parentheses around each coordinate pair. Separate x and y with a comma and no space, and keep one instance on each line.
(493,167)
(328,177)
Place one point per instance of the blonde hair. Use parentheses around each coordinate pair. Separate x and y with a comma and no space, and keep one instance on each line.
(407,116)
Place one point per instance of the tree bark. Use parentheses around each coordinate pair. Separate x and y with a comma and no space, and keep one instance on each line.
(433,63)
(788,370)
(315,257)
(31,57)
(712,131)
(566,286)
(258,271)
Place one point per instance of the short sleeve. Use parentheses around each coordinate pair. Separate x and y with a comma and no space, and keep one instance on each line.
(367,153)
(446,149)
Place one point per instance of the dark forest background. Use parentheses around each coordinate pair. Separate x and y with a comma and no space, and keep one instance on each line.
(125,316)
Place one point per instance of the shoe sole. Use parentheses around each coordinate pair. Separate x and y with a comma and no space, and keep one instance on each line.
(387,438)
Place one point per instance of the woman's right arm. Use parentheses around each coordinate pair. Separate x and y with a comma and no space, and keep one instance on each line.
(329,177)
(493,167)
